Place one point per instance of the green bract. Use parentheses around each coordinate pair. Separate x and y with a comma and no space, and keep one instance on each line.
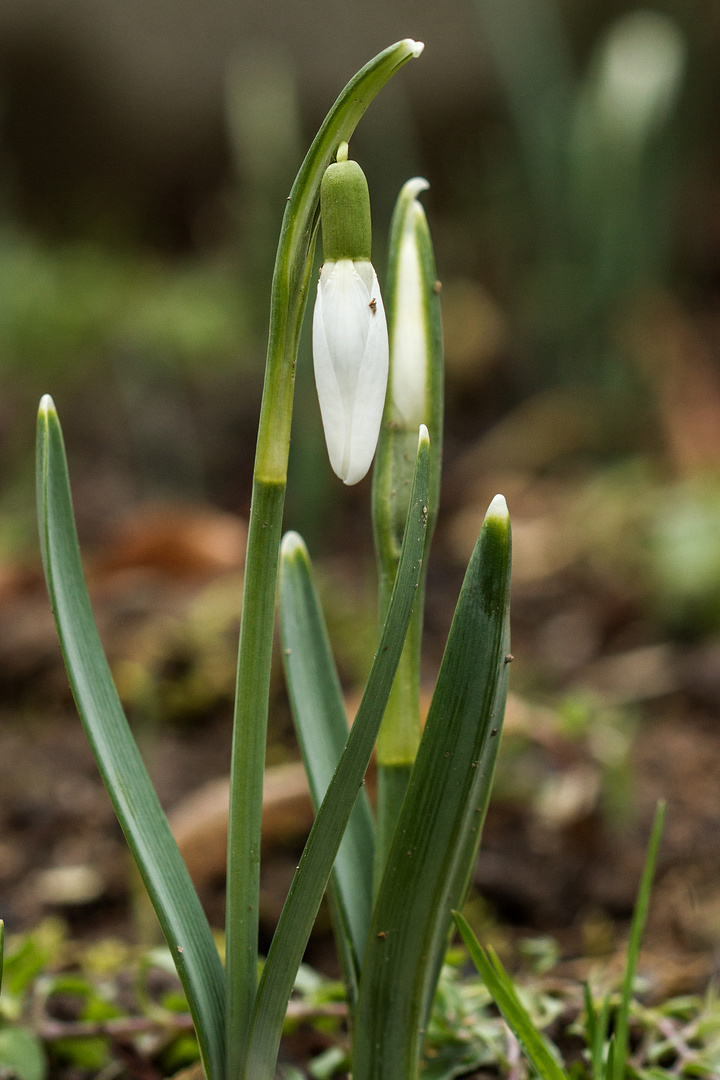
(345,210)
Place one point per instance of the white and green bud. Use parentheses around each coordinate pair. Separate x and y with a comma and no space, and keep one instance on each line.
(415,394)
(414,401)
(411,353)
(350,342)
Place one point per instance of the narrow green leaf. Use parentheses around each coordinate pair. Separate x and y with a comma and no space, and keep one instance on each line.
(642,904)
(322,729)
(514,1012)
(121,767)
(596,1031)
(2,950)
(441,817)
(461,880)
(303,901)
(601,1036)
(611,1059)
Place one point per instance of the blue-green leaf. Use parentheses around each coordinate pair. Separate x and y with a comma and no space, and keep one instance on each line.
(136,804)
(439,826)
(321,724)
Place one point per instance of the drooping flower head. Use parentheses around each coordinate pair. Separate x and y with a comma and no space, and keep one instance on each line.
(350,340)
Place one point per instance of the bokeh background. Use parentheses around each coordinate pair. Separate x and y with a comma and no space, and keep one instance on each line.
(146,151)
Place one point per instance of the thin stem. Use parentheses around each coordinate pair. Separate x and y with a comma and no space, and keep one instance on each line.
(291,276)
(248,762)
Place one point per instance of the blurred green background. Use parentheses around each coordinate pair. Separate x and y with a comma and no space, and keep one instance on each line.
(145,154)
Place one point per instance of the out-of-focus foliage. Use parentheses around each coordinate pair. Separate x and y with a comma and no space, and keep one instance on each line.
(107,1005)
(89,1007)
(66,306)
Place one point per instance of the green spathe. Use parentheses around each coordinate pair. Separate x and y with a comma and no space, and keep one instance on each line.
(345,210)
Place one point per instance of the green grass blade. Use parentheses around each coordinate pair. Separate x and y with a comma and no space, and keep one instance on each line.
(128,784)
(642,904)
(514,1012)
(600,1037)
(303,901)
(611,1059)
(593,1036)
(596,1031)
(440,818)
(590,1021)
(322,730)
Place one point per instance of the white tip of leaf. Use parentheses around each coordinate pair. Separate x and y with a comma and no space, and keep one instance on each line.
(423,435)
(292,544)
(47,404)
(409,330)
(415,47)
(415,186)
(498,509)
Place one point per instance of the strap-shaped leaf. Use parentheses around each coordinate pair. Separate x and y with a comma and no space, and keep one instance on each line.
(514,1012)
(136,804)
(308,886)
(322,730)
(440,818)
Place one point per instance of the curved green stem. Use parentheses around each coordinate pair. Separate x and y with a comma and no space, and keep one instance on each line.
(289,296)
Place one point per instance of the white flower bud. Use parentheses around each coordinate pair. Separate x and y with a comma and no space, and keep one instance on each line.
(411,344)
(350,351)
(350,339)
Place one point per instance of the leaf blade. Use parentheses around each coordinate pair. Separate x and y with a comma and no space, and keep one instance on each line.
(321,725)
(118,758)
(439,825)
(514,1012)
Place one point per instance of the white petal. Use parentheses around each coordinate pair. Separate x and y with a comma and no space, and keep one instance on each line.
(410,352)
(346,318)
(370,396)
(350,352)
(332,408)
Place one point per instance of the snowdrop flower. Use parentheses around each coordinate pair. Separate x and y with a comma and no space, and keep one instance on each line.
(350,339)
(415,384)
